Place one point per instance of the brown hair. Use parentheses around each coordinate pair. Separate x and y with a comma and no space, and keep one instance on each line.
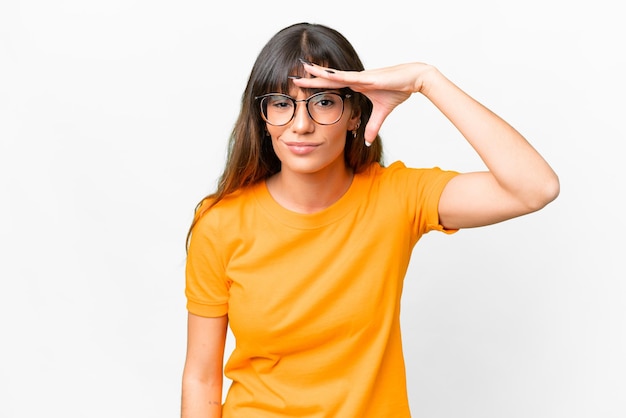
(251,157)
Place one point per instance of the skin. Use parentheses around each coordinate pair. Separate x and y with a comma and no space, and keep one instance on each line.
(203,374)
(517,181)
(313,171)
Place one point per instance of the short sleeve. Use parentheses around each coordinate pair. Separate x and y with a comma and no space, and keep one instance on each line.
(206,284)
(419,190)
(430,194)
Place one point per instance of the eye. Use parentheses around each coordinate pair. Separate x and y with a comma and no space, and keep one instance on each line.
(324,100)
(280,103)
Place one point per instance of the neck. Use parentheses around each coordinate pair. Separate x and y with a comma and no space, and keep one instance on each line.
(309,193)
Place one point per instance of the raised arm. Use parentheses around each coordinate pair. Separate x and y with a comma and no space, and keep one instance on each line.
(203,372)
(517,181)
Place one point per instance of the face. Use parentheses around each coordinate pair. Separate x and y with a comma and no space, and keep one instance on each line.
(306,147)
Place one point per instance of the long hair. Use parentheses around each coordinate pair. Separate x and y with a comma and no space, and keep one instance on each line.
(250,156)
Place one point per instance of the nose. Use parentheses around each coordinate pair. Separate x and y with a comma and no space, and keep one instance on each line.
(302,122)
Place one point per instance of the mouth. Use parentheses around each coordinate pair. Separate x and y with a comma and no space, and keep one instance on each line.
(301,148)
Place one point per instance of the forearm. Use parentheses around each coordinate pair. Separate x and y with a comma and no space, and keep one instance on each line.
(201,399)
(515,165)
(203,374)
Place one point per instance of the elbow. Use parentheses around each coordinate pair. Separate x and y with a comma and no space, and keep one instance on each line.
(551,189)
(555,188)
(546,191)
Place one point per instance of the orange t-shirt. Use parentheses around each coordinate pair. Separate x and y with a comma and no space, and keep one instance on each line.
(313,300)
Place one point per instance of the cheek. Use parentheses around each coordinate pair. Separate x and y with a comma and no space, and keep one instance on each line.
(275,131)
(338,136)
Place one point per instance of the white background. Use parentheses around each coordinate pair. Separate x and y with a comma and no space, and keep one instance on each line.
(114,118)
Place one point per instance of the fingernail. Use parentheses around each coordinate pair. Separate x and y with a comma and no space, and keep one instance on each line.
(368,144)
(305,61)
(294,77)
(330,71)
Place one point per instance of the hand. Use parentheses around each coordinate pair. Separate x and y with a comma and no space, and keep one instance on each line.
(386,87)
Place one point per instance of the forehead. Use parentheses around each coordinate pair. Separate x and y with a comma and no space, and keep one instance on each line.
(275,77)
(300,94)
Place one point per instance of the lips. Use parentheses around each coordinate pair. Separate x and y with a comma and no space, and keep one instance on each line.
(301,148)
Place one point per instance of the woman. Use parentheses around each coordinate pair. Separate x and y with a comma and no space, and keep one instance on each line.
(303,248)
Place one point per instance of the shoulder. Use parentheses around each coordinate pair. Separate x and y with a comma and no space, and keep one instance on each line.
(397,173)
(218,215)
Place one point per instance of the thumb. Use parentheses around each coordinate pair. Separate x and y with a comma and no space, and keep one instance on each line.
(373,127)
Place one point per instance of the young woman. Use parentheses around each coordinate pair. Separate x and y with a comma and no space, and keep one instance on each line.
(303,248)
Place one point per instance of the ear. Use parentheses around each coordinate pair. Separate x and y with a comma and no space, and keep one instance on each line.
(355,120)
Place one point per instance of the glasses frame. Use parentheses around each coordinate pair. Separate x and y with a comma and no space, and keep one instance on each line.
(295,102)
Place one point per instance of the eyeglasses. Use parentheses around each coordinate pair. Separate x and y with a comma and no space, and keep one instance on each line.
(324,108)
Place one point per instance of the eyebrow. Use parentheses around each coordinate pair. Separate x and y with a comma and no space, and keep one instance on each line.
(312,92)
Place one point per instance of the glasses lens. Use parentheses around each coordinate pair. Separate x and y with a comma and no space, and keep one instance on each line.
(325,108)
(277,109)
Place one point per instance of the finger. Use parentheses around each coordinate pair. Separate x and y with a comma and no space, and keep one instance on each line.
(356,80)
(373,127)
(317,83)
(318,70)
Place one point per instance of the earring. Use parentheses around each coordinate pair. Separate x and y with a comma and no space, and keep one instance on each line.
(356,129)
